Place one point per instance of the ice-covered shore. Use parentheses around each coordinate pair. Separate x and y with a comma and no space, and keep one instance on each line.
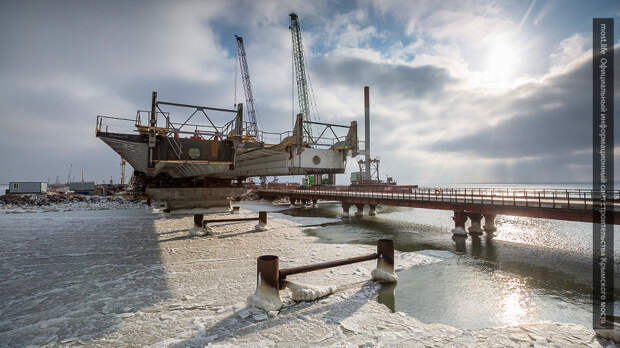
(148,282)
(37,203)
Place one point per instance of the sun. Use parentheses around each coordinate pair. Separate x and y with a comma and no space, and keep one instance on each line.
(502,60)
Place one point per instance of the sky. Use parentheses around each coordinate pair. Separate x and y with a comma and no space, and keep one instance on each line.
(460,91)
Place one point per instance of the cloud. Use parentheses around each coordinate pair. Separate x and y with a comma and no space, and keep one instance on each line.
(551,133)
(434,117)
(393,79)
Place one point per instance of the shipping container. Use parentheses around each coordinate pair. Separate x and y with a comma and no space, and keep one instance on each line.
(27,187)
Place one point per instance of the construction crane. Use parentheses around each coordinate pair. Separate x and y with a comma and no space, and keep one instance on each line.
(252,128)
(303,92)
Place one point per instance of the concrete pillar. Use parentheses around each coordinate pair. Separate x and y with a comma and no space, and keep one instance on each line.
(459,223)
(372,210)
(489,223)
(314,203)
(360,210)
(345,209)
(475,229)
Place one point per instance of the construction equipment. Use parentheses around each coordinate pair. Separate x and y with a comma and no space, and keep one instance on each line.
(303,92)
(252,127)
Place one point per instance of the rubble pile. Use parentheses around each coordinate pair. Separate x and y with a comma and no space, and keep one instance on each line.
(55,201)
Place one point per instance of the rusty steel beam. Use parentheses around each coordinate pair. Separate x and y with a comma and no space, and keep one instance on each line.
(385,254)
(262,217)
(329,264)
(195,106)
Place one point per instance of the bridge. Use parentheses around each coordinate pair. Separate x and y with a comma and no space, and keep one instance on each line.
(466,203)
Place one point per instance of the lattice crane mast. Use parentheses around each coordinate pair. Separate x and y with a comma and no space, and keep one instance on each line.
(303,94)
(252,127)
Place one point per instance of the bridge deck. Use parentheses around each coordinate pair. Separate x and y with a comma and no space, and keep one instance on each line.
(571,205)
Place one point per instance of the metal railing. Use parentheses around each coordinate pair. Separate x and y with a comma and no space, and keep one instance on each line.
(541,198)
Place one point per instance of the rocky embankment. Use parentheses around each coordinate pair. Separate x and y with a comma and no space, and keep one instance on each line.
(58,201)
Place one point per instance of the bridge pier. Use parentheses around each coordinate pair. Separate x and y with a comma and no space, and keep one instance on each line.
(475,230)
(360,210)
(372,210)
(489,223)
(345,209)
(459,223)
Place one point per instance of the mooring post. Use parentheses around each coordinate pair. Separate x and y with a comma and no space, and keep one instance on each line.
(475,229)
(314,203)
(235,210)
(385,262)
(372,210)
(148,201)
(200,228)
(262,217)
(292,200)
(262,221)
(198,220)
(267,295)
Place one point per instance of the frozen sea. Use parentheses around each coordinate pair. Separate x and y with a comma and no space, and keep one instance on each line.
(77,273)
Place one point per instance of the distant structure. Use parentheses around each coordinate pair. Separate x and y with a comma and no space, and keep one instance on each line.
(58,188)
(27,187)
(83,188)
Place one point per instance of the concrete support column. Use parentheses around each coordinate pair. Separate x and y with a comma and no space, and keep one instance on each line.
(345,209)
(372,210)
(489,223)
(360,210)
(459,223)
(475,229)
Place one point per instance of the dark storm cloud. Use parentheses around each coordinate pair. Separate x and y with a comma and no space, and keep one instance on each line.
(408,82)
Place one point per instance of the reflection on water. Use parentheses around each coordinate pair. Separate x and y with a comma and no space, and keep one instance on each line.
(387,295)
(532,270)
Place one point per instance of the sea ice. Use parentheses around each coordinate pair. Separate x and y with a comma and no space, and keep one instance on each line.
(303,292)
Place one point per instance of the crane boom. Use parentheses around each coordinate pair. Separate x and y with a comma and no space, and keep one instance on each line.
(300,73)
(252,128)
